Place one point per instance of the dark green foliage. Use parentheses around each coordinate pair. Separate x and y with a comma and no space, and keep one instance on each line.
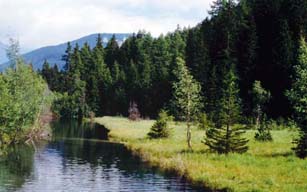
(297,96)
(226,137)
(72,104)
(259,38)
(117,93)
(247,56)
(67,56)
(111,52)
(160,129)
(301,145)
(160,74)
(52,76)
(224,141)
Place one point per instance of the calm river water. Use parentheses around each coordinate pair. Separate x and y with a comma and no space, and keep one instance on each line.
(76,159)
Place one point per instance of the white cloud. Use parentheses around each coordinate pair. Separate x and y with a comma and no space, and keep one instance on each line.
(38,23)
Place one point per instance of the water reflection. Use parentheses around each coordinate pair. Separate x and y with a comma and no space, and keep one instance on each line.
(81,165)
(16,167)
(73,129)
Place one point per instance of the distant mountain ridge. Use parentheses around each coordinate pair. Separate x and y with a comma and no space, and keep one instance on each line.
(2,52)
(53,54)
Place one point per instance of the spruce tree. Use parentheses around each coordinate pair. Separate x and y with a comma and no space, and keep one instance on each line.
(76,61)
(67,56)
(99,44)
(93,80)
(145,86)
(46,72)
(55,85)
(246,54)
(111,52)
(186,96)
(87,61)
(225,137)
(223,48)
(197,58)
(298,97)
(161,129)
(211,93)
(177,45)
(66,68)
(133,81)
(99,80)
(118,98)
(78,97)
(160,70)
(74,66)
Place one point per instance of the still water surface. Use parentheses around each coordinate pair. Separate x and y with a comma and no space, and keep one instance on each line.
(77,160)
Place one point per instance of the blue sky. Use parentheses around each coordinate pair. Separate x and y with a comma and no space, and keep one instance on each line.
(37,23)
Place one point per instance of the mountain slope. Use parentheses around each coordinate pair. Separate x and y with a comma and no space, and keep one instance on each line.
(2,53)
(53,54)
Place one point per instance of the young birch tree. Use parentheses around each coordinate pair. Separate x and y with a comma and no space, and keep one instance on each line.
(187,97)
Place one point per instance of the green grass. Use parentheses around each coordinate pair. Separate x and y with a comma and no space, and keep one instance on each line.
(265,167)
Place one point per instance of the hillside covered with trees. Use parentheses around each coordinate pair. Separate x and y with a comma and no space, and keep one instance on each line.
(241,58)
(259,38)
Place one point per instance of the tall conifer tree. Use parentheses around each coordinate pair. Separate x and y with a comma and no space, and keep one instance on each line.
(226,137)
(298,97)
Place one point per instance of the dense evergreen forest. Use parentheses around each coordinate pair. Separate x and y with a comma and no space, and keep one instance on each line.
(259,38)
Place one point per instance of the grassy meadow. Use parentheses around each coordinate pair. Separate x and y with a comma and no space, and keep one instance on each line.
(270,166)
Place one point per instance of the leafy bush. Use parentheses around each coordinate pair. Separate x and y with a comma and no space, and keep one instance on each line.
(23,95)
(160,128)
(264,133)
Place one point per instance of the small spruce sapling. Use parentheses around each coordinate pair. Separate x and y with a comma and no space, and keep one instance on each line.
(161,129)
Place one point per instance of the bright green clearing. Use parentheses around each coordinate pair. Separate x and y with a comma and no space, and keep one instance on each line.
(265,167)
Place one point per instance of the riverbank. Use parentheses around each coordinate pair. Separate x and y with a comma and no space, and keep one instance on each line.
(265,167)
(41,129)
